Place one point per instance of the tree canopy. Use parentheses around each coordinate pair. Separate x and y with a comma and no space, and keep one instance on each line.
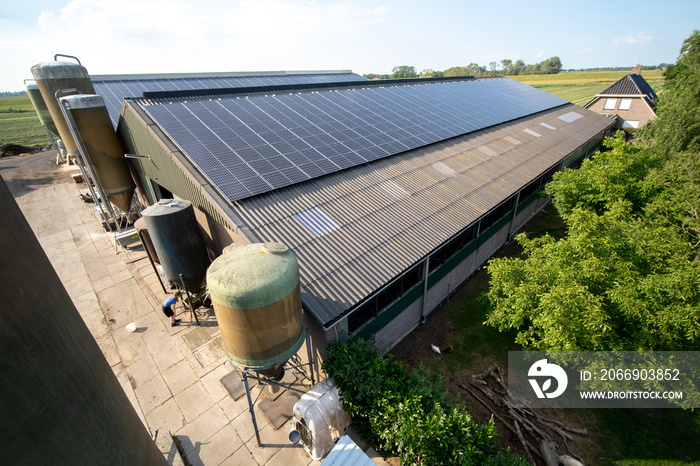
(627,274)
(505,67)
(677,127)
(404,72)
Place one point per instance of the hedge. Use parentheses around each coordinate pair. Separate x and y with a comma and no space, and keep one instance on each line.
(409,414)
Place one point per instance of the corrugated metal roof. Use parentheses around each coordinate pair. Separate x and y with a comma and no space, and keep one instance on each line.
(382,232)
(347,453)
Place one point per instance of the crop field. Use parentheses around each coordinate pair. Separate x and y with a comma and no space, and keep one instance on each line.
(19,123)
(580,87)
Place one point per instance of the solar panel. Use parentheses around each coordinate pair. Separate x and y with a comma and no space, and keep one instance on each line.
(114,90)
(254,144)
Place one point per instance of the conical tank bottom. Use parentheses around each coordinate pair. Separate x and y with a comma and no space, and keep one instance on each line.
(122,200)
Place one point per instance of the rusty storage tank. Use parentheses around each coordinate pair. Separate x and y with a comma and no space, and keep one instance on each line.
(42,111)
(178,243)
(103,148)
(257,301)
(59,75)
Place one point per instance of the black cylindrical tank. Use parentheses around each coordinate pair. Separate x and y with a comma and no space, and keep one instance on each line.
(145,236)
(178,242)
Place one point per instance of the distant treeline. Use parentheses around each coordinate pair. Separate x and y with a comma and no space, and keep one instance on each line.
(505,67)
(12,93)
(660,66)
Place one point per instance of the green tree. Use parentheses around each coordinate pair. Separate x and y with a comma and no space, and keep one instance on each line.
(457,71)
(507,66)
(627,275)
(376,76)
(430,73)
(519,67)
(551,65)
(475,69)
(404,72)
(677,127)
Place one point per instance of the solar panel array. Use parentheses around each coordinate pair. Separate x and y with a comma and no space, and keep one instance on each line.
(114,91)
(250,145)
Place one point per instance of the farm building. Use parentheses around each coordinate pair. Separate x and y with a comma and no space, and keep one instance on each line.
(631,98)
(390,193)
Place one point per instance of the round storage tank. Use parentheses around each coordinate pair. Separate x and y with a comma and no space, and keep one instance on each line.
(142,230)
(59,75)
(42,111)
(103,148)
(178,243)
(256,297)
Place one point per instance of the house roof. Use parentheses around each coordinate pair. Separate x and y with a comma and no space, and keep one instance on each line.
(632,84)
(249,143)
(114,88)
(355,230)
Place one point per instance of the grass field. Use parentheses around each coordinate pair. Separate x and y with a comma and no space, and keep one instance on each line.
(579,87)
(20,125)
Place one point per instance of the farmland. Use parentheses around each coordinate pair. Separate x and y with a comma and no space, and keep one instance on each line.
(579,87)
(20,125)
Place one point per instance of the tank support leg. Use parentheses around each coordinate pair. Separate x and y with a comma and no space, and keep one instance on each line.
(311,361)
(250,407)
(189,299)
(153,264)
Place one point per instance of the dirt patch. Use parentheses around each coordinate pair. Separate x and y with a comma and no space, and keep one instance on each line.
(27,172)
(9,150)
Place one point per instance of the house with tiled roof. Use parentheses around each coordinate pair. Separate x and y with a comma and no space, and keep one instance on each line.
(631,98)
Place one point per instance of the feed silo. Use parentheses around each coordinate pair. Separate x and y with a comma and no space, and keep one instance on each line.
(104,150)
(56,76)
(174,230)
(257,301)
(42,111)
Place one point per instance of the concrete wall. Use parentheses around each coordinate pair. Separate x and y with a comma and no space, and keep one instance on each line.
(401,326)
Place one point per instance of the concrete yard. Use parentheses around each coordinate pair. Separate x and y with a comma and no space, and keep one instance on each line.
(171,375)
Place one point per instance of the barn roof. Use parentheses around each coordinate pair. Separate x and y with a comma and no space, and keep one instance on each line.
(363,180)
(355,230)
(251,143)
(114,88)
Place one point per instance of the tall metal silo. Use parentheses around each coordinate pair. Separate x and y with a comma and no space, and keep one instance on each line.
(61,75)
(42,111)
(104,150)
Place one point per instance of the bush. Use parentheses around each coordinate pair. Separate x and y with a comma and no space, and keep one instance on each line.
(408,414)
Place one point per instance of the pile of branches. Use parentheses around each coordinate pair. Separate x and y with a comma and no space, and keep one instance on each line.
(543,430)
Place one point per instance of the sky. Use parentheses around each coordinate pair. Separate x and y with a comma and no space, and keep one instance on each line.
(365,36)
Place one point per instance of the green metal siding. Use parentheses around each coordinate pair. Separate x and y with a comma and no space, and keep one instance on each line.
(161,167)
(391,312)
(527,202)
